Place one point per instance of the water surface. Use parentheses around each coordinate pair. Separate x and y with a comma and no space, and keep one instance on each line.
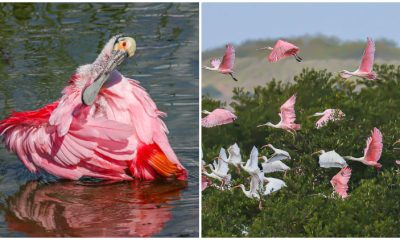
(40,47)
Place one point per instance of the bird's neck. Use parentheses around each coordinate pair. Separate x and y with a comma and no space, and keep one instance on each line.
(210,69)
(360,159)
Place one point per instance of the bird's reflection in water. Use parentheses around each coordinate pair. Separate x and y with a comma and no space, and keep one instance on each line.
(76,209)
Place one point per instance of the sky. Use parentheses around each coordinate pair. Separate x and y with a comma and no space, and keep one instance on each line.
(238,22)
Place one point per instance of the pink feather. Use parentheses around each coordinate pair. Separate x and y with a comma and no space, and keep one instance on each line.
(373,150)
(340,182)
(218,117)
(282,49)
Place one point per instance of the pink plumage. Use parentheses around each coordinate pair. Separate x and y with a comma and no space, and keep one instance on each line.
(224,66)
(283,49)
(367,62)
(329,115)
(217,117)
(340,182)
(373,150)
(397,162)
(228,60)
(288,115)
(119,137)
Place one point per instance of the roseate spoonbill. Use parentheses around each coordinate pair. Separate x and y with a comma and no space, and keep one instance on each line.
(397,162)
(328,115)
(278,154)
(217,117)
(252,163)
(288,116)
(234,156)
(340,180)
(282,49)
(270,167)
(273,185)
(226,65)
(104,126)
(220,169)
(373,150)
(330,159)
(367,62)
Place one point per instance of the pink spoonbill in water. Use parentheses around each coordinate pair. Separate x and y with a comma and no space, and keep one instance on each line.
(104,126)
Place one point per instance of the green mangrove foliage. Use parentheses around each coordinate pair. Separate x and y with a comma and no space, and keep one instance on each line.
(300,209)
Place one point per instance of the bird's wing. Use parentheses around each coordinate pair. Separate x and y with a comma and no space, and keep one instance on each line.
(373,150)
(84,150)
(273,185)
(324,119)
(127,102)
(254,158)
(331,159)
(229,58)
(281,50)
(236,149)
(215,62)
(288,115)
(340,181)
(254,183)
(277,157)
(277,166)
(218,117)
(367,60)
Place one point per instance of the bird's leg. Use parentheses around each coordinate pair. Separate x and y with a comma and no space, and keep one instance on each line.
(233,77)
(284,174)
(260,204)
(297,57)
(238,169)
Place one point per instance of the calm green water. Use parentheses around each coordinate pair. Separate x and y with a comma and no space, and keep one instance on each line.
(40,46)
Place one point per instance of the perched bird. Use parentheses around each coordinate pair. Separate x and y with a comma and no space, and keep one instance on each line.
(278,154)
(273,185)
(367,62)
(234,157)
(217,117)
(220,169)
(328,115)
(282,49)
(373,150)
(226,65)
(251,166)
(104,126)
(330,159)
(340,180)
(288,117)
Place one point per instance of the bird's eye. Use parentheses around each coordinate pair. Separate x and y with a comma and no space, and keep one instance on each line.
(124,44)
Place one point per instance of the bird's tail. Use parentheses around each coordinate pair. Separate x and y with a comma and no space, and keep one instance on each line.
(296,127)
(151,162)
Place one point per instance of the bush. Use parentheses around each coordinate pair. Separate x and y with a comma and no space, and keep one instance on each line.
(373,207)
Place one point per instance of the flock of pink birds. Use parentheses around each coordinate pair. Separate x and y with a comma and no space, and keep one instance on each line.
(283,49)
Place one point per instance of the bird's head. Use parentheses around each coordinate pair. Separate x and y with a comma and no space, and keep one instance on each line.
(345,74)
(266,145)
(115,52)
(319,152)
